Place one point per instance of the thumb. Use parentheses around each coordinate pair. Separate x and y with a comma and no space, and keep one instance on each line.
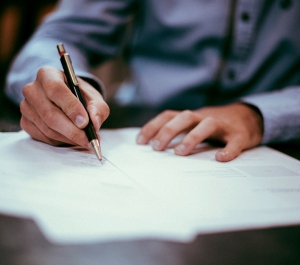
(232,149)
(98,111)
(94,116)
(97,108)
(74,109)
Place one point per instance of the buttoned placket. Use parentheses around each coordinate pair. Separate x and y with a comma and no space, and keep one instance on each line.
(243,34)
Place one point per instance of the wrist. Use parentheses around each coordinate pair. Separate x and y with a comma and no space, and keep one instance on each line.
(256,114)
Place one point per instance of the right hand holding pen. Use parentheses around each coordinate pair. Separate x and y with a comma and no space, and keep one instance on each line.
(52,114)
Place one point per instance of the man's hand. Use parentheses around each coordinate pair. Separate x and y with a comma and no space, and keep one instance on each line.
(52,114)
(238,125)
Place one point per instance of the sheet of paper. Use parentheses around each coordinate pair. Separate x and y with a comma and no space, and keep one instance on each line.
(139,193)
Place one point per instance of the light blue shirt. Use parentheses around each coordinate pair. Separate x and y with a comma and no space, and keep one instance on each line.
(183,54)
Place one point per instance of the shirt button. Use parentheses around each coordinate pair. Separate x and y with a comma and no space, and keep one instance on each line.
(231,74)
(245,16)
(285,4)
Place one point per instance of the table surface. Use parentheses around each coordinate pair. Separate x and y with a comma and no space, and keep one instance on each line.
(21,241)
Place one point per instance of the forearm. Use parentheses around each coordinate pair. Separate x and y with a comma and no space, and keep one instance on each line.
(37,53)
(90,30)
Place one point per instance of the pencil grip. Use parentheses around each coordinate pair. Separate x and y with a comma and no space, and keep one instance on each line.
(89,129)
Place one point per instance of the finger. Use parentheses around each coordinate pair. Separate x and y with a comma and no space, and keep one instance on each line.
(98,116)
(54,117)
(96,106)
(35,133)
(151,128)
(232,149)
(29,116)
(57,91)
(181,122)
(205,129)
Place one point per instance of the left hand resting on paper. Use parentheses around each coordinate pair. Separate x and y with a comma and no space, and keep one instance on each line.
(237,125)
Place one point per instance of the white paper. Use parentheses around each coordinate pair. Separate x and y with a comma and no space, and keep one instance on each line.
(140,193)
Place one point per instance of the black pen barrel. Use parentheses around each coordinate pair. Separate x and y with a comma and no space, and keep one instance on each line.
(89,129)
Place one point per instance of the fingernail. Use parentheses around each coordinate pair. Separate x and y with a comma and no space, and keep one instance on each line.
(80,121)
(140,139)
(180,148)
(156,144)
(221,156)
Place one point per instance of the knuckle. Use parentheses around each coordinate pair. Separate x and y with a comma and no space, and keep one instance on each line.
(53,89)
(167,130)
(192,138)
(43,72)
(27,90)
(36,120)
(49,133)
(211,121)
(188,115)
(169,114)
(76,137)
(49,117)
(71,106)
(49,82)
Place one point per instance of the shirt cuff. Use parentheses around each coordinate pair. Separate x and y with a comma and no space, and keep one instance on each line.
(280,111)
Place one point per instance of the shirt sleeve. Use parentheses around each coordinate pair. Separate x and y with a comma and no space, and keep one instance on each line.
(91,31)
(281,114)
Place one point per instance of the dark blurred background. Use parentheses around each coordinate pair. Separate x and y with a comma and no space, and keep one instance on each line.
(18,20)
